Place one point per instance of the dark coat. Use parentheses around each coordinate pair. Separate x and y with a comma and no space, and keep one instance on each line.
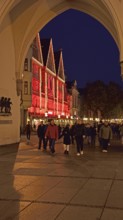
(79,130)
(92,131)
(28,129)
(41,131)
(66,136)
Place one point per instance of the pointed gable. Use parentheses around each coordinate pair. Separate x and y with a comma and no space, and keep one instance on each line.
(59,64)
(45,43)
(48,54)
(36,47)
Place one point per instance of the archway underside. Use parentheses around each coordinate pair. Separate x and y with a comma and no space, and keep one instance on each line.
(35,14)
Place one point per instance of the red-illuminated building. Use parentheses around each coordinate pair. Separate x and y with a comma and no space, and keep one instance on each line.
(45,93)
(49,94)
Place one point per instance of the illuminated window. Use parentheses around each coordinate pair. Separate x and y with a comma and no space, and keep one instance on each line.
(26,64)
(25,88)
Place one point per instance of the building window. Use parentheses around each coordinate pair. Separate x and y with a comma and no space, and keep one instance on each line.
(26,64)
(25,88)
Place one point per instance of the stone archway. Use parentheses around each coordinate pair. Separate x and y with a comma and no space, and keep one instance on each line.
(20,21)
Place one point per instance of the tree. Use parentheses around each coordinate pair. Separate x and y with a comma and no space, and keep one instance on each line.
(114,99)
(96,96)
(108,99)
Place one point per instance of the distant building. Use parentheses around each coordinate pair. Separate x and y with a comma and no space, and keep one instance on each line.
(74,103)
(45,94)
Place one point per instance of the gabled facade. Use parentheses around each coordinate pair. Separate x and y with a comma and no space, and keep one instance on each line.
(49,93)
(49,96)
(62,103)
(37,64)
(74,103)
(49,74)
(31,77)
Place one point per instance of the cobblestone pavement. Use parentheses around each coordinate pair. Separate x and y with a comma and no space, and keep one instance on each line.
(36,185)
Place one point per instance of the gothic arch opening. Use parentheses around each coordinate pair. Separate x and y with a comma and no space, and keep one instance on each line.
(90,50)
(37,19)
(21,20)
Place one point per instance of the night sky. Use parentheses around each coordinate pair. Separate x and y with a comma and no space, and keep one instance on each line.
(89,51)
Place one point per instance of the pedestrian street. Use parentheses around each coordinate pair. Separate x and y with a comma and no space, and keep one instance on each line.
(35,184)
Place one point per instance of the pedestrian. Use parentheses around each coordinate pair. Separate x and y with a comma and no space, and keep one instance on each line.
(88,133)
(52,135)
(98,131)
(79,135)
(105,134)
(41,135)
(72,133)
(46,139)
(66,138)
(93,134)
(28,131)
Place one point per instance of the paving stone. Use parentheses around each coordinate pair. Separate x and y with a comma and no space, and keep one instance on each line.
(40,212)
(9,209)
(112,214)
(37,185)
(58,195)
(115,198)
(104,172)
(29,193)
(80,213)
(93,193)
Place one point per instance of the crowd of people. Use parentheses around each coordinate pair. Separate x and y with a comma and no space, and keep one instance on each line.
(77,134)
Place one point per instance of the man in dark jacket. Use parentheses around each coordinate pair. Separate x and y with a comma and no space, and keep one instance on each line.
(41,135)
(79,134)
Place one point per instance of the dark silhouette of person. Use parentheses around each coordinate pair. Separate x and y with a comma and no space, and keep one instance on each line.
(5,104)
(41,135)
(2,104)
(8,105)
(28,131)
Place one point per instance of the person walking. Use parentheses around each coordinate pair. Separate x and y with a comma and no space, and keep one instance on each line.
(93,134)
(79,135)
(41,135)
(88,133)
(105,134)
(28,131)
(52,135)
(72,133)
(66,138)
